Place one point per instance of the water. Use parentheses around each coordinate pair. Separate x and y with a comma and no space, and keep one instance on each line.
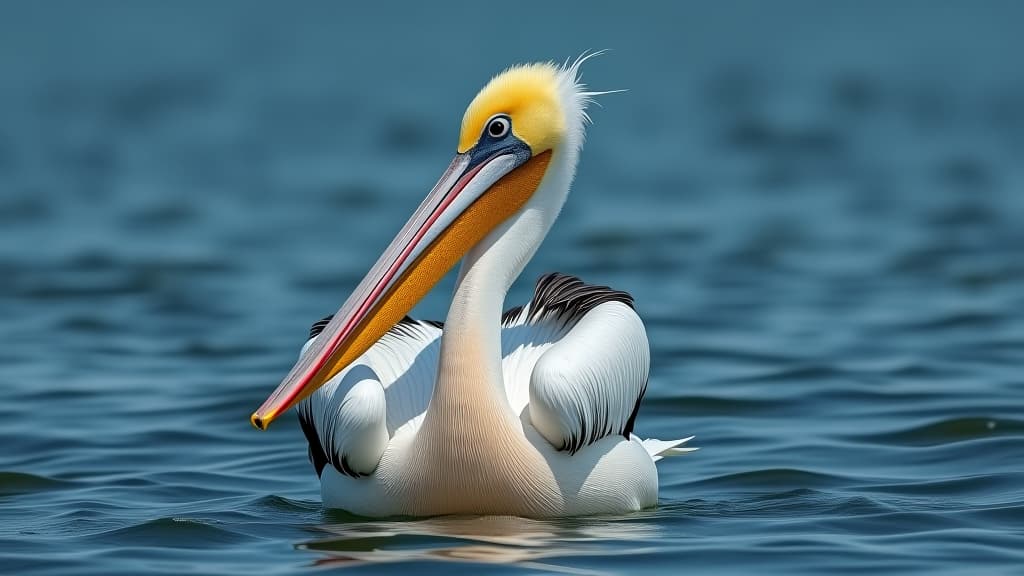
(817,209)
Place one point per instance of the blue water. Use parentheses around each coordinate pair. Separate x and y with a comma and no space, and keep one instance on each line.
(817,206)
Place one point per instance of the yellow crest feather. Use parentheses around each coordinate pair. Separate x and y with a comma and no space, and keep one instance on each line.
(529,94)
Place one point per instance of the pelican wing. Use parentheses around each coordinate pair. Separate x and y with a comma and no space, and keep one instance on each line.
(349,421)
(576,360)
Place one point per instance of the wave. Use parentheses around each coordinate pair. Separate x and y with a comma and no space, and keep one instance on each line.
(171,532)
(773,479)
(21,483)
(948,431)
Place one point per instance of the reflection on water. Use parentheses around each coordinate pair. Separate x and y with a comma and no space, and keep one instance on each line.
(528,544)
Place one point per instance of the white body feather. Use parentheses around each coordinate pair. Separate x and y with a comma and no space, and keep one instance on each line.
(556,378)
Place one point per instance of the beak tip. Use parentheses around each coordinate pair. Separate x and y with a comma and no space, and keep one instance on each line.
(258,421)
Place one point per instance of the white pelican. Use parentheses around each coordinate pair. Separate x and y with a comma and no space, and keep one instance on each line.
(529,412)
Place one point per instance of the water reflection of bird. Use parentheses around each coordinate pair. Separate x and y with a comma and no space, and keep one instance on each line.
(536,545)
(527,412)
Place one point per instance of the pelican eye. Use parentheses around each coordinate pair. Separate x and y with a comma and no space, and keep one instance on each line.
(499,126)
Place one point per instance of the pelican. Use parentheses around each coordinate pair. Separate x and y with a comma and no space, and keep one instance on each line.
(529,412)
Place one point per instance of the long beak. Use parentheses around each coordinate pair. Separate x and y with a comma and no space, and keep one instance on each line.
(472,198)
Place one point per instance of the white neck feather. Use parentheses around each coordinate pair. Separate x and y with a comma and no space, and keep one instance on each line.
(470,363)
(470,383)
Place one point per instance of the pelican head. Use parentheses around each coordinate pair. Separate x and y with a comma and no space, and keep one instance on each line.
(525,121)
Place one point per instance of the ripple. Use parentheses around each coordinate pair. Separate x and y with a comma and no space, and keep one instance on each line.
(975,484)
(219,350)
(88,323)
(811,372)
(729,354)
(12,483)
(961,320)
(171,533)
(773,479)
(282,504)
(949,431)
(710,405)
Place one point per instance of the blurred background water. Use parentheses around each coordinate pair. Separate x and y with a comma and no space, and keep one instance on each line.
(818,207)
